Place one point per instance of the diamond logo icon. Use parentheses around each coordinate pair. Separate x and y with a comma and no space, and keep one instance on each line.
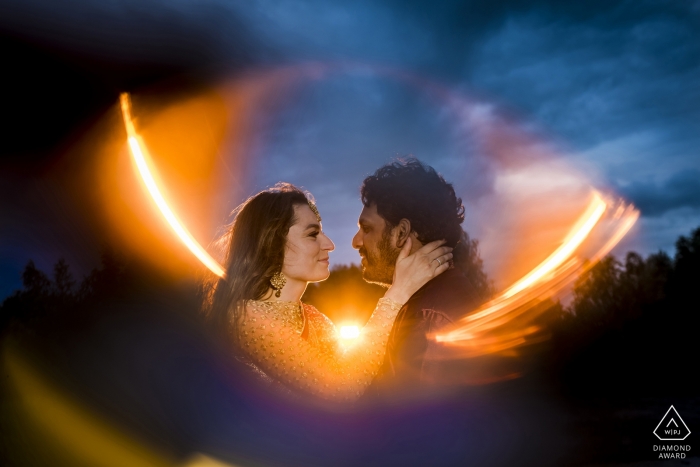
(672,427)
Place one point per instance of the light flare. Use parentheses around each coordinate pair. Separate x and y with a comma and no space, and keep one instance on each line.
(71,433)
(507,322)
(578,235)
(349,332)
(140,155)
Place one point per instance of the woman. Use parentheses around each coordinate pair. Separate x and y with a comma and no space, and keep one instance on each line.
(275,247)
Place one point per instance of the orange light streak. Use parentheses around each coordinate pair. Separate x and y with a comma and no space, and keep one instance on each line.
(628,216)
(491,328)
(576,237)
(140,156)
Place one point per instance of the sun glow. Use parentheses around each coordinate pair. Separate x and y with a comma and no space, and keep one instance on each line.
(140,155)
(349,332)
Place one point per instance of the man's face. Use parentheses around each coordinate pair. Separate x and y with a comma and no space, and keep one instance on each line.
(376,246)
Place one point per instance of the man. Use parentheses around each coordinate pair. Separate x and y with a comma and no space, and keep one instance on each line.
(409,199)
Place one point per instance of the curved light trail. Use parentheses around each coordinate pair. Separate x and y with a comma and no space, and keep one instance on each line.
(576,237)
(140,154)
(504,323)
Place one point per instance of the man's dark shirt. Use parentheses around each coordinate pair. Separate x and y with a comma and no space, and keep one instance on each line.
(439,303)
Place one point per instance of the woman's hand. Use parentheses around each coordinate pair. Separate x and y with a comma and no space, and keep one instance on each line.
(413,271)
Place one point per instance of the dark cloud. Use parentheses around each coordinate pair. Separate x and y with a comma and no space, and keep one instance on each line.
(148,33)
(621,72)
(64,65)
(682,190)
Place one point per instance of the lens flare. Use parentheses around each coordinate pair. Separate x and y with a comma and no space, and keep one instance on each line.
(508,321)
(578,235)
(349,332)
(71,433)
(140,155)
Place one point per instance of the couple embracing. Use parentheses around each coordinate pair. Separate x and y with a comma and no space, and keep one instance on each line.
(410,240)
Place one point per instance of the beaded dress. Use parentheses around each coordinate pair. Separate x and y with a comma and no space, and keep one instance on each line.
(298,346)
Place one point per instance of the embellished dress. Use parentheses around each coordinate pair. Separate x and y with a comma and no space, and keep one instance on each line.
(296,345)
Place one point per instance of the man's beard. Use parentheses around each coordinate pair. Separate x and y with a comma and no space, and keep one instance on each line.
(379,268)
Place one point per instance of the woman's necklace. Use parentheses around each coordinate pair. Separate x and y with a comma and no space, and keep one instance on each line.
(291,313)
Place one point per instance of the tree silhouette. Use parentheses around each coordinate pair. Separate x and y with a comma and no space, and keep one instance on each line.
(596,294)
(63,281)
(685,278)
(468,260)
(32,302)
(627,318)
(42,302)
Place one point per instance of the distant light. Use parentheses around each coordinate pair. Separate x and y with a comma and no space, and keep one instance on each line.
(349,332)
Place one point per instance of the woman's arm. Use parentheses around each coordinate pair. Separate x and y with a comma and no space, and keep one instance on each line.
(338,373)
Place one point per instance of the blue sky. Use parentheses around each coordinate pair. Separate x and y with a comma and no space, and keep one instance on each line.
(613,84)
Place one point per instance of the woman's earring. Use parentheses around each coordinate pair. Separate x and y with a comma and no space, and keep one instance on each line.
(277,281)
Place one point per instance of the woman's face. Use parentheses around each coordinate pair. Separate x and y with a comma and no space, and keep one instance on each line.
(306,253)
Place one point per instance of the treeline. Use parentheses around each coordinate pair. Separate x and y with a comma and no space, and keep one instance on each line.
(631,328)
(55,303)
(44,297)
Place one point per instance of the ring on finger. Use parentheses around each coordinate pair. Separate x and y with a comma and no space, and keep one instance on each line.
(438,260)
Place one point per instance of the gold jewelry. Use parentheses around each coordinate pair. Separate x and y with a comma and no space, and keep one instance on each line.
(303,318)
(277,281)
(314,209)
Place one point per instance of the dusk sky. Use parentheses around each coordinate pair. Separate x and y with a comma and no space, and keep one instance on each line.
(611,85)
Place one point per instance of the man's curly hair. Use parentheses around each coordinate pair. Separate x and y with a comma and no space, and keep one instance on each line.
(409,189)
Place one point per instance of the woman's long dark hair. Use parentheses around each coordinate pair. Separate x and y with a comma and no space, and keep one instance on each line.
(254,250)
